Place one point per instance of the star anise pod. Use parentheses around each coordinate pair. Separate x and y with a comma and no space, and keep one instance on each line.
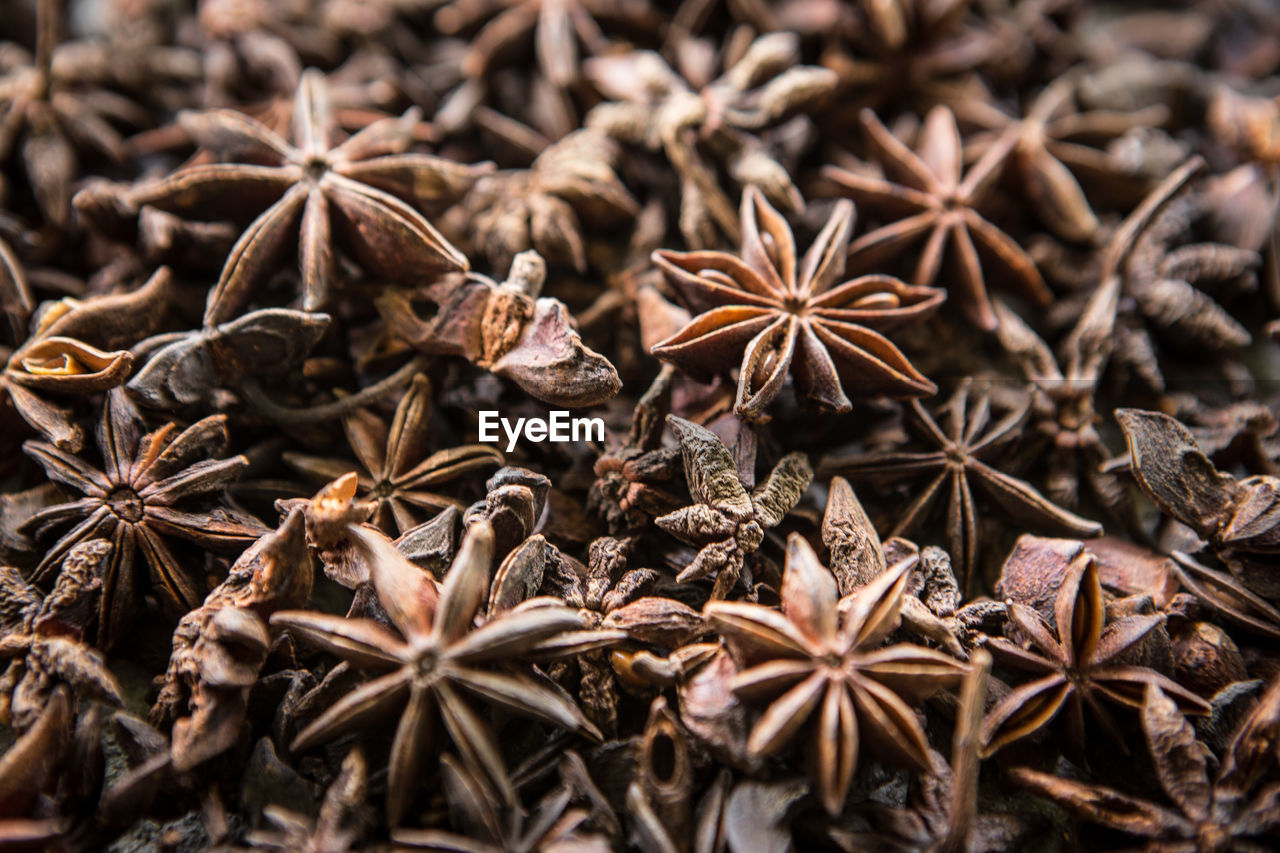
(914,52)
(398,477)
(941,813)
(966,445)
(932,199)
(1234,806)
(658,109)
(1164,281)
(510,330)
(248,44)
(190,368)
(609,596)
(727,523)
(435,655)
(219,648)
(824,656)
(556,27)
(49,118)
(569,188)
(1233,517)
(78,348)
(1052,149)
(356,194)
(1168,464)
(485,826)
(931,608)
(1067,413)
(1079,661)
(336,829)
(629,486)
(793,316)
(150,488)
(42,643)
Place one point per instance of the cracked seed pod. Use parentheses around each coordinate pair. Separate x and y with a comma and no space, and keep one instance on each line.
(507,329)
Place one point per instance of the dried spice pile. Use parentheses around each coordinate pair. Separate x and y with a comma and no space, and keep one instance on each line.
(934,497)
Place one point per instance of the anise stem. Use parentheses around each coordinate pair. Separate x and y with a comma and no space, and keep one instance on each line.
(48,23)
(259,399)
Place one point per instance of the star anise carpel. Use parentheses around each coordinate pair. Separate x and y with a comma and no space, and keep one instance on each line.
(932,199)
(1079,662)
(435,657)
(968,443)
(821,662)
(1225,806)
(150,489)
(772,314)
(727,522)
(357,194)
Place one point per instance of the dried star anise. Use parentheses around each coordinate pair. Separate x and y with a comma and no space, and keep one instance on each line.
(570,188)
(1164,281)
(824,656)
(941,813)
(554,26)
(1051,148)
(150,487)
(933,200)
(435,655)
(793,316)
(356,193)
(41,638)
(48,118)
(507,329)
(397,477)
(1231,515)
(659,110)
(76,349)
(219,647)
(964,447)
(477,810)
(1231,808)
(337,827)
(192,367)
(1080,661)
(608,596)
(727,522)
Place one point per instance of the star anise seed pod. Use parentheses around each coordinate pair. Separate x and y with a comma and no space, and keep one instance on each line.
(790,316)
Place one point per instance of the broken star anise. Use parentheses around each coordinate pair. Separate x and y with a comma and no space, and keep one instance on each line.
(727,522)
(772,314)
(821,657)
(41,638)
